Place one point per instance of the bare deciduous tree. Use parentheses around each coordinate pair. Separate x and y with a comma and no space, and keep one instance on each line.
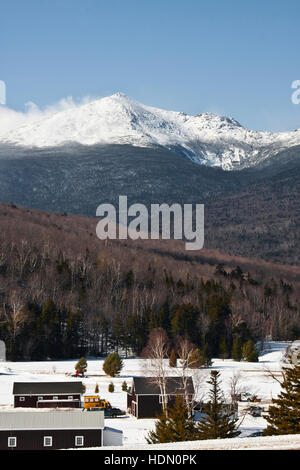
(157,351)
(236,386)
(187,360)
(13,316)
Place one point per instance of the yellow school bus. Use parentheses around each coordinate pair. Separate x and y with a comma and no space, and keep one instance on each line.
(94,401)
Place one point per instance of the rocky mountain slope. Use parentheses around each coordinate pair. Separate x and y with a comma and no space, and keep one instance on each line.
(57,165)
(206,138)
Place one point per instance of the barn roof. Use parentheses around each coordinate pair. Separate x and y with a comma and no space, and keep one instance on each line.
(46,388)
(149,386)
(51,420)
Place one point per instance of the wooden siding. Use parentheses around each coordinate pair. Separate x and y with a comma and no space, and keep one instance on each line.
(31,401)
(58,404)
(129,400)
(148,406)
(61,439)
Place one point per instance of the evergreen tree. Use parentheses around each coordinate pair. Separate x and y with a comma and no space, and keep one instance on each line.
(219,313)
(241,330)
(206,358)
(113,365)
(81,365)
(97,388)
(249,352)
(50,325)
(237,273)
(223,349)
(220,271)
(284,414)
(137,332)
(236,352)
(164,316)
(124,386)
(195,359)
(129,279)
(111,387)
(72,334)
(174,426)
(219,422)
(117,333)
(162,432)
(183,320)
(173,359)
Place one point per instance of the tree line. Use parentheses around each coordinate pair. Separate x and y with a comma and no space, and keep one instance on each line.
(65,303)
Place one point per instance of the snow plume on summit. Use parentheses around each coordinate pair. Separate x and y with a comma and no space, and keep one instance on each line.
(11,119)
(206,138)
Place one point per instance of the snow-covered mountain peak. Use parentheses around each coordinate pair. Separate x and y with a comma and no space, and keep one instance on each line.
(205,138)
(216,121)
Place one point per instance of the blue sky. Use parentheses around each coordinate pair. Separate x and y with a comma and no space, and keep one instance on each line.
(236,58)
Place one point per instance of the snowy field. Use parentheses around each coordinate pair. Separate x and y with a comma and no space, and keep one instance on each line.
(253,379)
(290,442)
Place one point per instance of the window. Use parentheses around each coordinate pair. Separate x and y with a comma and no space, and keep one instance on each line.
(79,440)
(12,442)
(47,441)
(70,397)
(55,398)
(40,398)
(22,398)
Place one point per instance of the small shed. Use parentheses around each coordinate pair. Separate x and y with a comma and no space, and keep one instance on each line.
(112,437)
(144,399)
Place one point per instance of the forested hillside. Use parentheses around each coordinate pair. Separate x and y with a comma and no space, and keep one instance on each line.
(252,213)
(261,220)
(65,293)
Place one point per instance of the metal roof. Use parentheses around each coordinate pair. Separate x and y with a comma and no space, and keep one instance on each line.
(107,428)
(149,386)
(30,420)
(46,388)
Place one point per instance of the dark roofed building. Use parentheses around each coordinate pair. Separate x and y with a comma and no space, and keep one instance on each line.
(47,394)
(144,399)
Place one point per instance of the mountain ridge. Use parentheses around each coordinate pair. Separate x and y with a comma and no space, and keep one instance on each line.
(253,212)
(206,138)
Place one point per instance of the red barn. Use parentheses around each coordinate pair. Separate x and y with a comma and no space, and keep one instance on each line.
(39,430)
(144,399)
(47,394)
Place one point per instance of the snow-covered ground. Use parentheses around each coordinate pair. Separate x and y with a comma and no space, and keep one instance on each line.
(253,379)
(289,442)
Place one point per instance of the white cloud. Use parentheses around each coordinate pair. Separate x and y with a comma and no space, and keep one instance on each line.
(11,119)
